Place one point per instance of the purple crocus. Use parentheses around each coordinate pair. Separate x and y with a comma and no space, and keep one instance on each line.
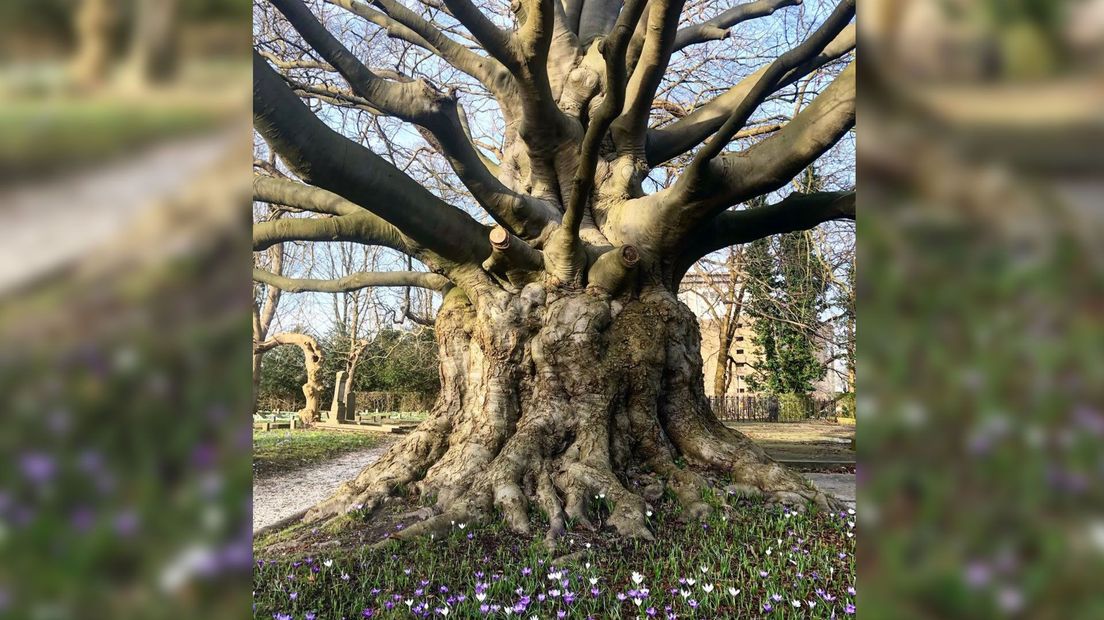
(38,467)
(849,609)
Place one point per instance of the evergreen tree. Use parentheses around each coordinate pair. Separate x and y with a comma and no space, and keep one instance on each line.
(786,295)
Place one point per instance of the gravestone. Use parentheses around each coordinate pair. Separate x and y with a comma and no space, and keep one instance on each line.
(350,407)
(337,408)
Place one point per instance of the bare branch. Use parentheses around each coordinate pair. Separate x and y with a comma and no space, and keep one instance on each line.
(324,158)
(352,282)
(629,130)
(768,83)
(770,164)
(795,212)
(689,131)
(718,27)
(395,15)
(498,43)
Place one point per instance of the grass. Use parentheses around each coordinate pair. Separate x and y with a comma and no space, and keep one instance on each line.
(730,566)
(283,450)
(45,133)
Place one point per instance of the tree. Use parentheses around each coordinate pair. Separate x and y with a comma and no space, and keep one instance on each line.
(568,365)
(787,296)
(312,359)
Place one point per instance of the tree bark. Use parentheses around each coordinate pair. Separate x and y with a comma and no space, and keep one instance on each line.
(94,25)
(312,357)
(553,398)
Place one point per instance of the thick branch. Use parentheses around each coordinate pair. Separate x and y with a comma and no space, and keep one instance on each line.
(412,101)
(352,282)
(767,84)
(289,193)
(663,220)
(630,128)
(689,131)
(770,164)
(564,255)
(497,42)
(365,228)
(415,102)
(718,27)
(795,212)
(324,158)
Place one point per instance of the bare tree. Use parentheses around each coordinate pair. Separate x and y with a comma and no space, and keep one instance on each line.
(568,364)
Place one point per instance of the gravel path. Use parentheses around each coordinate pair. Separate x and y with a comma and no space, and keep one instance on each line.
(52,222)
(284,494)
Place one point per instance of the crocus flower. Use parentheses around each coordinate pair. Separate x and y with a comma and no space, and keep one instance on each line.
(850,609)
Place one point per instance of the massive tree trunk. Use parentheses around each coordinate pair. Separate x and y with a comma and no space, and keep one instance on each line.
(553,398)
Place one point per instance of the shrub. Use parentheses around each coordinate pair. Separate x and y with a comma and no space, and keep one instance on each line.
(794,407)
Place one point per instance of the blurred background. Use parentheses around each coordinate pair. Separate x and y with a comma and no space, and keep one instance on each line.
(124,201)
(981,297)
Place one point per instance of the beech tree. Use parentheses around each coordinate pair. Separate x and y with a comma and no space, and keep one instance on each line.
(569,368)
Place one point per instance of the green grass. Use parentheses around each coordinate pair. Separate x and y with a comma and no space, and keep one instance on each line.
(283,450)
(46,136)
(758,551)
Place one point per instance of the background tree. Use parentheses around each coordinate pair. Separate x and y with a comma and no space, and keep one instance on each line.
(788,289)
(598,169)
(786,298)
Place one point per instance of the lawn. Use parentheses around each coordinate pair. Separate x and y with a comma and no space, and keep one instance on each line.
(757,560)
(45,133)
(283,450)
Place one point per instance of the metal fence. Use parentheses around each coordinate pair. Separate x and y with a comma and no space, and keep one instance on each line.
(764,408)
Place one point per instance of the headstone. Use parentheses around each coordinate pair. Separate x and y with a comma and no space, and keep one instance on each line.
(337,408)
(350,406)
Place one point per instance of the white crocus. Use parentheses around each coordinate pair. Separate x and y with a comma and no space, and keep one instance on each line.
(708,588)
(637,578)
(327,563)
(733,592)
(480,596)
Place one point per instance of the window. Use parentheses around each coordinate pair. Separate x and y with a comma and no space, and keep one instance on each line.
(739,338)
(739,351)
(740,364)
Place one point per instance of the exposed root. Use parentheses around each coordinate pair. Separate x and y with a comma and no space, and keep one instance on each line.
(555,400)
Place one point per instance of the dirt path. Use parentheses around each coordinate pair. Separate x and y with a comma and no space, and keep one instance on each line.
(281,495)
(53,222)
